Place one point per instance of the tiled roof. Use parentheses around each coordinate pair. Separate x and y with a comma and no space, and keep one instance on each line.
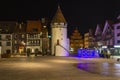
(58,18)
(34,24)
(21,27)
(7,26)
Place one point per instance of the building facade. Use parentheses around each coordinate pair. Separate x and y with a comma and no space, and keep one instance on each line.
(76,41)
(108,37)
(89,40)
(60,42)
(108,34)
(98,36)
(33,36)
(117,39)
(19,38)
(6,30)
(86,40)
(6,43)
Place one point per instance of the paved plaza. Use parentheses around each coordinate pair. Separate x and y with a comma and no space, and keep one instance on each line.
(58,68)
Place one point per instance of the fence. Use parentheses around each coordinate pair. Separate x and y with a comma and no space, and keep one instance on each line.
(88,53)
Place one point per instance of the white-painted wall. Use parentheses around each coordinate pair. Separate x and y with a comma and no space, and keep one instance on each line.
(59,32)
(116,31)
(4,43)
(34,47)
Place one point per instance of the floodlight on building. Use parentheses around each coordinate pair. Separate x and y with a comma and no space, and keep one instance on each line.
(116,46)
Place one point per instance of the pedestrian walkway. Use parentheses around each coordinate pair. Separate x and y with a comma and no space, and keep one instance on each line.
(53,68)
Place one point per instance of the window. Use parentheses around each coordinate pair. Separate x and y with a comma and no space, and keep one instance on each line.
(118,41)
(8,37)
(35,30)
(8,44)
(15,42)
(0,43)
(23,35)
(118,34)
(15,36)
(0,37)
(118,27)
(38,42)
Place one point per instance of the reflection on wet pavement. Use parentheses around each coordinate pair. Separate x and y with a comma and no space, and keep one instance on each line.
(107,69)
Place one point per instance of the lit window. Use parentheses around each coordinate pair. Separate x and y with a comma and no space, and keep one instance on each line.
(23,35)
(44,26)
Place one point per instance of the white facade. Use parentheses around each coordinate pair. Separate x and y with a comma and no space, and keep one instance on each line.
(34,42)
(108,34)
(116,41)
(6,43)
(59,39)
(117,34)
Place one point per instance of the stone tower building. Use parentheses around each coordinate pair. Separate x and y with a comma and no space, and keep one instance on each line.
(60,41)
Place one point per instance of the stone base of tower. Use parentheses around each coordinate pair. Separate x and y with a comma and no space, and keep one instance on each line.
(60,51)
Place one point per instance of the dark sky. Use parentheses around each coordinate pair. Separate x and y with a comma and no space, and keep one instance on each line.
(83,14)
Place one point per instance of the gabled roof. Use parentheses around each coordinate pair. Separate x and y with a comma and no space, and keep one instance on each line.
(58,17)
(108,30)
(20,27)
(7,26)
(118,17)
(33,25)
(98,29)
(108,24)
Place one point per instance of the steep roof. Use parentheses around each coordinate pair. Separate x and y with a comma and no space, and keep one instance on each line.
(58,17)
(98,29)
(7,26)
(108,24)
(20,27)
(34,25)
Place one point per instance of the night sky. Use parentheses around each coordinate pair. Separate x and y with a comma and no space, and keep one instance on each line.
(81,14)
